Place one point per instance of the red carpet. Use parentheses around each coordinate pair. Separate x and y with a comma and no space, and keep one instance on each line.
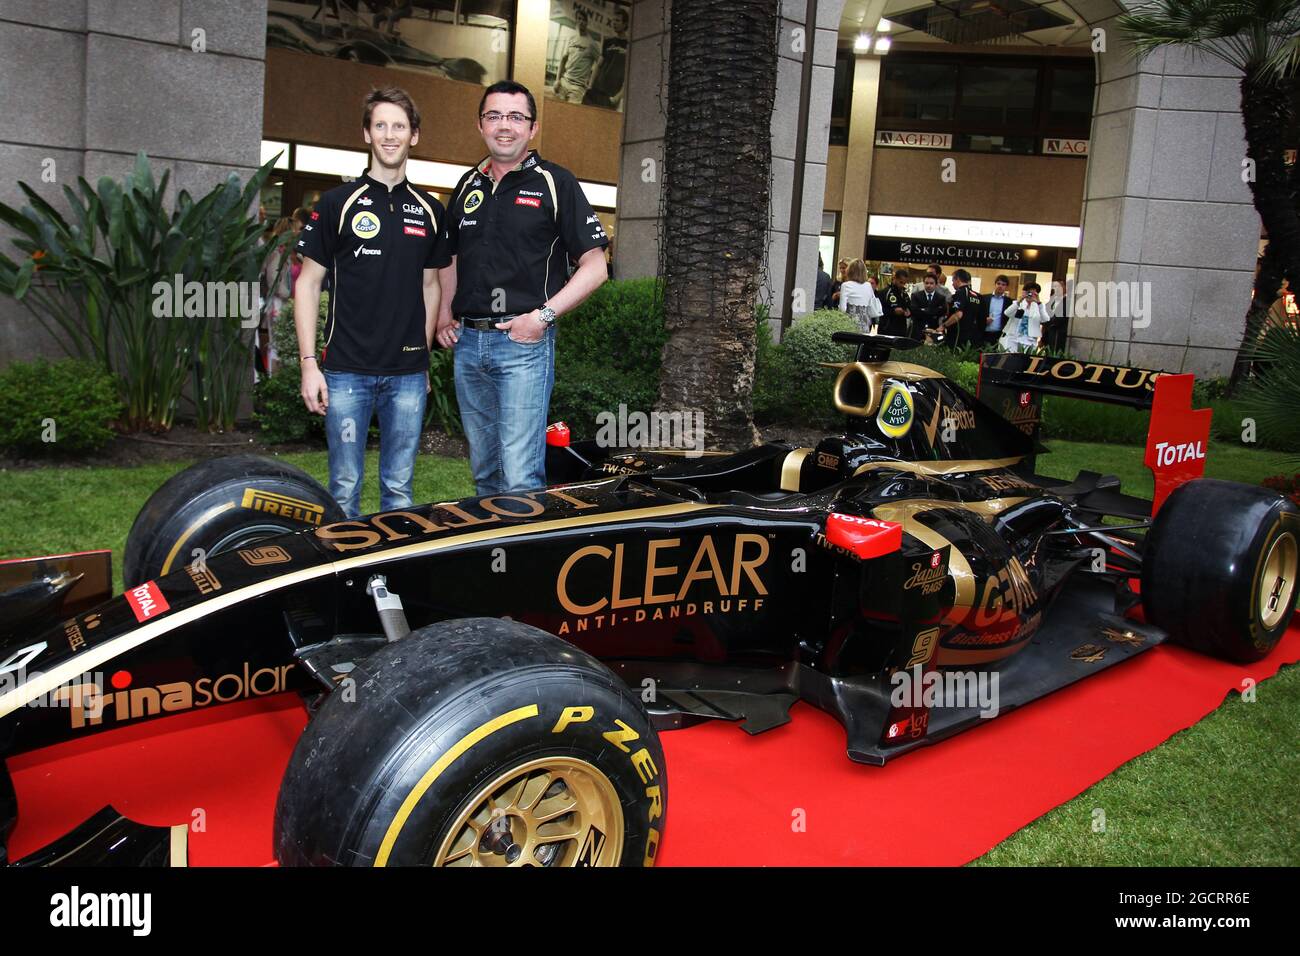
(735,799)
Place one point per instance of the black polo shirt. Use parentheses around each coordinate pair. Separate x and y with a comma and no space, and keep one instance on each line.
(968,302)
(376,242)
(513,238)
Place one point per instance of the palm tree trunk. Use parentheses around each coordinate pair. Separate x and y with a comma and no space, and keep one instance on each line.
(718,160)
(1266,111)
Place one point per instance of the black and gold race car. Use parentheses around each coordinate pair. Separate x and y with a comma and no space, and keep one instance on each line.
(487,677)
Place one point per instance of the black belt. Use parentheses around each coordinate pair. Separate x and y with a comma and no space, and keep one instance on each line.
(484,323)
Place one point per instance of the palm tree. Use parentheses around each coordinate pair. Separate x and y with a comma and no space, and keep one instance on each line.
(1260,38)
(717,167)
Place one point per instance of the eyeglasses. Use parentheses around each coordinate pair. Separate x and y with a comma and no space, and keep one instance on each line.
(516,119)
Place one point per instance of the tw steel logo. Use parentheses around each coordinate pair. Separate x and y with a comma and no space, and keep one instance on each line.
(595,578)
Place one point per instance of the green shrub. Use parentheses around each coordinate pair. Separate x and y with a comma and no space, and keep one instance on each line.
(278,407)
(443,410)
(608,351)
(59,407)
(1272,399)
(791,385)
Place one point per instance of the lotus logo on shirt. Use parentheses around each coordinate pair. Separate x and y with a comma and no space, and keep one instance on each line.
(365,225)
(473,200)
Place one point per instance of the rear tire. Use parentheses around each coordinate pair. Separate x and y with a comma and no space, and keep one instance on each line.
(1220,567)
(219,505)
(453,745)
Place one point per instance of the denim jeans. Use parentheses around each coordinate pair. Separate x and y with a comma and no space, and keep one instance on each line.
(504,391)
(400,401)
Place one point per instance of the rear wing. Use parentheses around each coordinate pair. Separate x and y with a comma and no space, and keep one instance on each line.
(1178,436)
(1094,381)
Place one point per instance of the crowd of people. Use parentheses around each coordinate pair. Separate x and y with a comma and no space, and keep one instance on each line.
(927,310)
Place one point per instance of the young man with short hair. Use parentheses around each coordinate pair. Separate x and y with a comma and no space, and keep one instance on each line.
(998,303)
(513,222)
(379,240)
(897,306)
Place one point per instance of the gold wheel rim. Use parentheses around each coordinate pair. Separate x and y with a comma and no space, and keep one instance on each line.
(1277,583)
(553,811)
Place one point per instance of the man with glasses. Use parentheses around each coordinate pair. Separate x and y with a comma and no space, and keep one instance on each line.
(513,222)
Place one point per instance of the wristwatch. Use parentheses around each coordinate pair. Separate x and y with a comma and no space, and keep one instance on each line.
(546,314)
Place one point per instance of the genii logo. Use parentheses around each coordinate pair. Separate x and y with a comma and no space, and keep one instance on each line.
(365,224)
(147,601)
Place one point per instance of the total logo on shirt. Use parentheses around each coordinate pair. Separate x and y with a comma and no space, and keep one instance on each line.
(365,225)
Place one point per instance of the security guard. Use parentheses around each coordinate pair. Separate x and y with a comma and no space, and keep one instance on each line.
(513,223)
(897,304)
(965,322)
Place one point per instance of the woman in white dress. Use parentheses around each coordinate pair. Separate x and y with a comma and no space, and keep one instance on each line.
(1022,323)
(858,299)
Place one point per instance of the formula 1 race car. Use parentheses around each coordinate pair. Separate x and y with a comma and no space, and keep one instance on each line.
(486,677)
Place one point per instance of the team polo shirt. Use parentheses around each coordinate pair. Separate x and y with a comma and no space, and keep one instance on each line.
(513,238)
(375,243)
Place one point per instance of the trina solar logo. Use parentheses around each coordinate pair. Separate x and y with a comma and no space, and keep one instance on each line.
(294,509)
(88,704)
(593,580)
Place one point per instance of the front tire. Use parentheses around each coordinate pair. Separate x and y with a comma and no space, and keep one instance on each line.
(220,505)
(478,742)
(1220,568)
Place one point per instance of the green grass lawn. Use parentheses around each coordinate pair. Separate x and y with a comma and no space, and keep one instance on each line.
(1222,792)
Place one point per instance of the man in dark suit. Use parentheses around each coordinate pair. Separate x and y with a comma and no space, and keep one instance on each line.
(822,296)
(965,323)
(929,307)
(897,306)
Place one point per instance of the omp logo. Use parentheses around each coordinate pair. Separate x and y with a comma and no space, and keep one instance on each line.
(268,554)
(203,578)
(608,584)
(147,601)
(365,225)
(90,703)
(294,509)
(77,909)
(589,855)
(826,460)
(413,209)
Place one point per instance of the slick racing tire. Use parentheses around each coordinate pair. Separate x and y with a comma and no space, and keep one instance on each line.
(219,505)
(477,742)
(1220,566)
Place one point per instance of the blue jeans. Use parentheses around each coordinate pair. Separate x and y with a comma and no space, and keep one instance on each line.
(504,390)
(400,401)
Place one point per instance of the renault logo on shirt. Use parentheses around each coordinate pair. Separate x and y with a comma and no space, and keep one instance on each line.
(365,225)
